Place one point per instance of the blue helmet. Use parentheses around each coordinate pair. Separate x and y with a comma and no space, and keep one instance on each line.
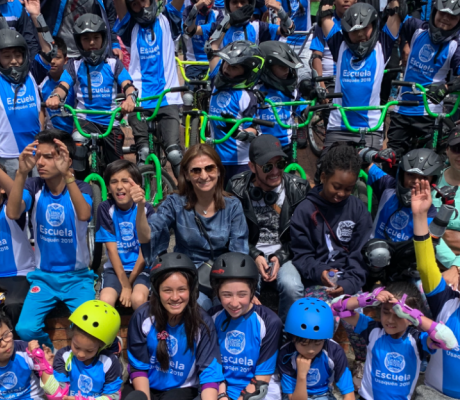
(310,318)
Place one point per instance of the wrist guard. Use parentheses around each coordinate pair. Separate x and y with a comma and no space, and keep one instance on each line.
(404,311)
(370,299)
(442,336)
(339,307)
(220,30)
(40,363)
(286,25)
(260,392)
(44,30)
(190,20)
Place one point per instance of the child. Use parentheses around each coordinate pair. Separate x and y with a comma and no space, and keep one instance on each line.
(231,98)
(60,210)
(95,78)
(83,369)
(16,255)
(19,95)
(248,334)
(18,378)
(149,30)
(444,302)
(311,360)
(395,344)
(360,53)
(49,84)
(125,276)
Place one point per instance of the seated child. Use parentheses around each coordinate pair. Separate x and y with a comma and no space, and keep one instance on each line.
(125,276)
(311,360)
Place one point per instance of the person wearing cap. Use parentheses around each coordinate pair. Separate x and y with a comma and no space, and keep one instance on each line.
(173,351)
(269,197)
(448,249)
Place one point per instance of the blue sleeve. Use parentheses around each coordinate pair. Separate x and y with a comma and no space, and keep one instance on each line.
(105,228)
(266,363)
(60,372)
(251,109)
(380,181)
(207,29)
(208,360)
(318,43)
(31,187)
(455,60)
(113,377)
(124,28)
(342,374)
(334,41)
(423,339)
(39,69)
(286,358)
(267,31)
(67,78)
(288,383)
(345,383)
(365,326)
(138,352)
(175,20)
(387,40)
(121,74)
(86,191)
(409,26)
(440,296)
(28,199)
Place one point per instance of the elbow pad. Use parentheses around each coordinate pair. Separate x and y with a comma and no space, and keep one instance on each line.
(220,30)
(44,30)
(190,20)
(286,25)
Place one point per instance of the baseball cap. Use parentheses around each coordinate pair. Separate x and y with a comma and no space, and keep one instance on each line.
(263,148)
(454,137)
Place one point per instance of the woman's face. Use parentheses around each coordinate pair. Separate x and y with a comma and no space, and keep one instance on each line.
(174,294)
(235,296)
(453,154)
(203,174)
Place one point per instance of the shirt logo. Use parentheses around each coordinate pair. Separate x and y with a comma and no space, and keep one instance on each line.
(313,376)
(8,380)
(85,383)
(345,230)
(426,53)
(149,37)
(55,214)
(35,289)
(96,79)
(238,35)
(173,345)
(395,362)
(235,342)
(21,92)
(223,99)
(357,65)
(126,230)
(399,220)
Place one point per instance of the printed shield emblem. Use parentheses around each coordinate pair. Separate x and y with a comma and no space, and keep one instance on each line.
(235,342)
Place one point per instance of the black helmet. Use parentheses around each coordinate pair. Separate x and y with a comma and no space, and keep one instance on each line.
(438,35)
(424,162)
(234,265)
(91,23)
(173,262)
(279,53)
(357,17)
(251,3)
(10,38)
(246,54)
(147,16)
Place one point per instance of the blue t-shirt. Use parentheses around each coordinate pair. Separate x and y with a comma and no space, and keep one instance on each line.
(64,123)
(442,371)
(105,79)
(101,377)
(60,237)
(116,225)
(393,221)
(18,380)
(392,365)
(328,367)
(153,66)
(427,63)
(359,82)
(187,368)
(249,345)
(16,255)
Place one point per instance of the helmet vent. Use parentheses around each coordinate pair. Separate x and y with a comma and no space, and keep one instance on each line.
(95,324)
(106,312)
(317,311)
(85,317)
(316,328)
(303,326)
(243,264)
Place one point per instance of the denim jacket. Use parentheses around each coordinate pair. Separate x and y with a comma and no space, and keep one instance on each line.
(227,230)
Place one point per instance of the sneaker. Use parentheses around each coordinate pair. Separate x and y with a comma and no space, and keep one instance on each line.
(358,373)
(423,366)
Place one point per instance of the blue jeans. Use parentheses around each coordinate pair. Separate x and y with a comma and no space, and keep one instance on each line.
(46,290)
(290,288)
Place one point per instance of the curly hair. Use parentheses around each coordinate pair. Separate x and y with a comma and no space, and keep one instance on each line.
(342,157)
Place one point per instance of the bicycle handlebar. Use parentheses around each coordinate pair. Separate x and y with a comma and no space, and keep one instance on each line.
(337,95)
(159,97)
(262,122)
(197,82)
(402,83)
(324,78)
(182,64)
(389,70)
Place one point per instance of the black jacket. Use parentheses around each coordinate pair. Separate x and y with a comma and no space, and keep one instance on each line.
(319,246)
(295,188)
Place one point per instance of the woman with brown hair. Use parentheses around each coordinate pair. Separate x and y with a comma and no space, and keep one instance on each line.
(206,220)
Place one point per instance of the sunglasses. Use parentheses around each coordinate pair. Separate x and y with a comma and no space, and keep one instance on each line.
(281,164)
(455,149)
(209,169)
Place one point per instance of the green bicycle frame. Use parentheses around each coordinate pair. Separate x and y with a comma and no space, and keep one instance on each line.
(427,108)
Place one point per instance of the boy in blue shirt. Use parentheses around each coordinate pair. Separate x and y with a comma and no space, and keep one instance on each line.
(311,361)
(60,210)
(16,254)
(149,32)
(49,84)
(125,276)
(95,78)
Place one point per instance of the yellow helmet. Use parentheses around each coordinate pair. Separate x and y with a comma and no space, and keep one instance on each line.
(98,319)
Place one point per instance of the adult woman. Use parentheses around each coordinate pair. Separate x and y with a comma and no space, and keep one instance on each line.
(248,334)
(172,342)
(207,222)
(448,249)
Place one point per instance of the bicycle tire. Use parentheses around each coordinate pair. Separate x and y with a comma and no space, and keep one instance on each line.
(167,182)
(194,131)
(95,249)
(316,135)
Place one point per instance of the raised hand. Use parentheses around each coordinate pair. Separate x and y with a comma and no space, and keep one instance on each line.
(32,7)
(28,158)
(421,198)
(137,193)
(61,157)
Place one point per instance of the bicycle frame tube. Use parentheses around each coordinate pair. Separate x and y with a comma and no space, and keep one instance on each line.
(181,64)
(427,108)
(74,113)
(159,194)
(93,177)
(296,167)
(155,111)
(290,103)
(365,177)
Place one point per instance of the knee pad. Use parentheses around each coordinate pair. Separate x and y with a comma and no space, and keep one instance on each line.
(79,138)
(377,254)
(143,153)
(174,154)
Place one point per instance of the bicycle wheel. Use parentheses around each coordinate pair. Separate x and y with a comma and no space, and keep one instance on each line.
(148,172)
(194,131)
(316,134)
(95,249)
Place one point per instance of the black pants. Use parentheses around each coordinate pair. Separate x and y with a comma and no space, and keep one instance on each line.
(16,289)
(187,393)
(168,124)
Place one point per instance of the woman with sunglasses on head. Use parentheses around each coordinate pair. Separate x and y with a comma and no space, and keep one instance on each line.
(448,249)
(206,220)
